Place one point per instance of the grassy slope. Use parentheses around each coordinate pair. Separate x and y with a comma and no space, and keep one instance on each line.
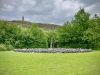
(27,24)
(50,64)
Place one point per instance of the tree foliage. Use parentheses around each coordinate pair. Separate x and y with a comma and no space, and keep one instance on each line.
(92,34)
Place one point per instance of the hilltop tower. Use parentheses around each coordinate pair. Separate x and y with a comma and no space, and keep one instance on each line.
(22,18)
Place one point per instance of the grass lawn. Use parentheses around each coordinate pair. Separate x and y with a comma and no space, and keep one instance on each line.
(14,63)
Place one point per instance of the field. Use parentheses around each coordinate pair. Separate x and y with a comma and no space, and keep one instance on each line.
(14,63)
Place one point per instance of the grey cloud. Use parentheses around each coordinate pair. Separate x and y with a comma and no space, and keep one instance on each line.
(94,9)
(8,9)
(89,2)
(46,11)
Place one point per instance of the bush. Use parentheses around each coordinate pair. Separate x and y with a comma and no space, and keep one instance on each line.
(4,47)
(9,47)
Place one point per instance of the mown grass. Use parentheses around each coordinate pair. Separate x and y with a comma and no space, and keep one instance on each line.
(14,63)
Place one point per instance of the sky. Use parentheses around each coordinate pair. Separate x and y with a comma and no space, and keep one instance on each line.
(46,11)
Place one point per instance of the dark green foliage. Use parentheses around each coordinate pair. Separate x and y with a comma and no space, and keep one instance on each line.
(39,37)
(92,34)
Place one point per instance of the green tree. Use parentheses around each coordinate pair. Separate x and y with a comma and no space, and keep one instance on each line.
(39,37)
(8,33)
(64,34)
(3,27)
(92,34)
(81,23)
(71,33)
(82,18)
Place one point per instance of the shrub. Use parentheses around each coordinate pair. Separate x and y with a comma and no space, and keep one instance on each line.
(4,47)
(9,47)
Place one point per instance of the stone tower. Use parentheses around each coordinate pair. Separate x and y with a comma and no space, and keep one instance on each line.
(22,18)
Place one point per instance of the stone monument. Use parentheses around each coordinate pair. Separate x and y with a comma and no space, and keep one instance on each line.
(51,43)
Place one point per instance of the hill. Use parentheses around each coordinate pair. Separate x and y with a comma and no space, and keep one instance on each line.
(28,24)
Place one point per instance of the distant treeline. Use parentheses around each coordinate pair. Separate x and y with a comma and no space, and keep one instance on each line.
(80,32)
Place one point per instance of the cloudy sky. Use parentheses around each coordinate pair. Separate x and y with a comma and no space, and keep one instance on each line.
(46,11)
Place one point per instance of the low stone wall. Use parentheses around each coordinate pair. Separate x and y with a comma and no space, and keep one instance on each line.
(57,50)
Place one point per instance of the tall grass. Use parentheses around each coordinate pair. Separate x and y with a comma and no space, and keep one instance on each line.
(14,63)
